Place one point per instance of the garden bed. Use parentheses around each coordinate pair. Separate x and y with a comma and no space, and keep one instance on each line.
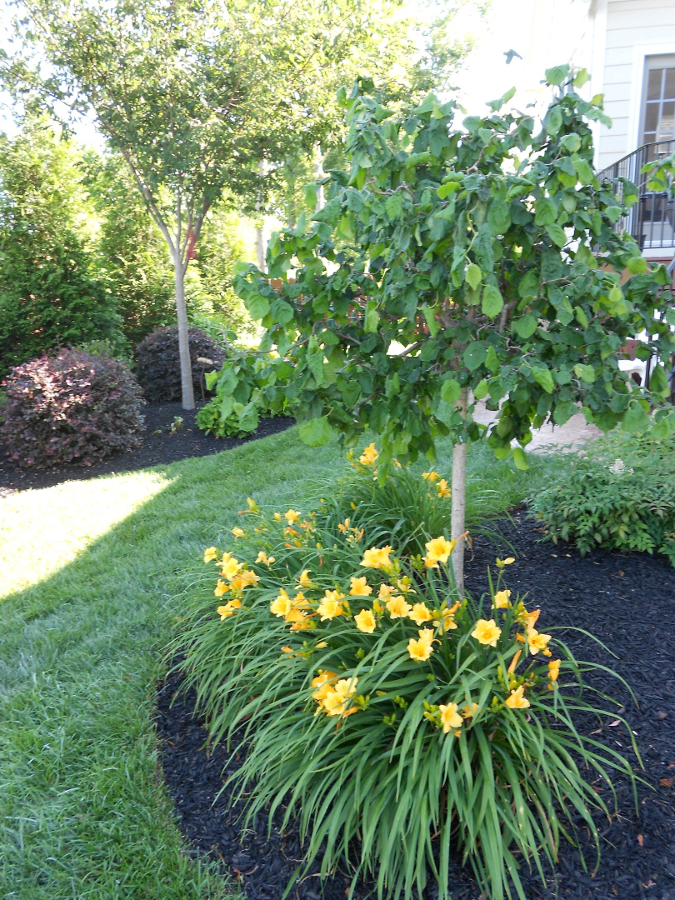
(160,447)
(628,602)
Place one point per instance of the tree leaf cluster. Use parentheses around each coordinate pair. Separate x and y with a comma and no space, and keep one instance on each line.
(479,256)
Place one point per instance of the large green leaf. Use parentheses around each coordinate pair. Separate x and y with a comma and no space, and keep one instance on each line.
(493,302)
(473,276)
(315,432)
(474,355)
(525,327)
(636,418)
(450,390)
(258,306)
(542,375)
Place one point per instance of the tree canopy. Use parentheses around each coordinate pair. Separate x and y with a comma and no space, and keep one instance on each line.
(452,264)
(194,93)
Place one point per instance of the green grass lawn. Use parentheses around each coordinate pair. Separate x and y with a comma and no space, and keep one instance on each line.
(93,576)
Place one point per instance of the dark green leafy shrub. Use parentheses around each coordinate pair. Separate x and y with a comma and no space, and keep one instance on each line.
(158,363)
(52,294)
(249,385)
(380,707)
(71,408)
(620,495)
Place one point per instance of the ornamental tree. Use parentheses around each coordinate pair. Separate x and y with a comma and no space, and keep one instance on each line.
(193,95)
(453,264)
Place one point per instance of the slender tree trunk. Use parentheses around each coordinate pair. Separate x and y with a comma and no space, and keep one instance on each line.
(318,174)
(187,391)
(260,227)
(260,247)
(459,500)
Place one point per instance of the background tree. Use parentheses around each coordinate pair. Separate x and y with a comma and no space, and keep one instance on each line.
(51,293)
(132,256)
(487,254)
(193,95)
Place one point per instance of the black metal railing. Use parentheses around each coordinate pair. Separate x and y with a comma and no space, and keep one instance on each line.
(651,220)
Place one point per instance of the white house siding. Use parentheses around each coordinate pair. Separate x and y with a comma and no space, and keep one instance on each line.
(634,29)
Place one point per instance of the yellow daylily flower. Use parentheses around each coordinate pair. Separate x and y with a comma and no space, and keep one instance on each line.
(331,607)
(377,558)
(292,516)
(397,607)
(431,477)
(244,579)
(264,558)
(421,649)
(221,588)
(238,532)
(450,718)
(229,609)
(301,621)
(343,527)
(501,599)
(530,619)
(368,456)
(504,562)
(210,553)
(230,568)
(447,616)
(537,641)
(386,590)
(301,602)
(322,683)
(282,605)
(470,710)
(304,580)
(365,621)
(438,550)
(277,517)
(442,489)
(335,704)
(514,662)
(554,669)
(420,614)
(517,699)
(360,587)
(486,632)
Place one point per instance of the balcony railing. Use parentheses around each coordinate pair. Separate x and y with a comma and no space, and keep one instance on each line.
(651,220)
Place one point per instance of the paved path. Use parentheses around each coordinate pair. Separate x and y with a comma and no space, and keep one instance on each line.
(575,432)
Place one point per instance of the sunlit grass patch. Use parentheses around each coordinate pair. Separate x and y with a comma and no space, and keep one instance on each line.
(43,530)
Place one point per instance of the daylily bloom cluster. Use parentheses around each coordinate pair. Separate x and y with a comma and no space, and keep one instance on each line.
(381,600)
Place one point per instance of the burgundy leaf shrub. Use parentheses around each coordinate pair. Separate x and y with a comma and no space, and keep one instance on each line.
(71,408)
(158,363)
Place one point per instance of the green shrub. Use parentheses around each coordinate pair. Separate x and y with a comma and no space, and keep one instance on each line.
(71,408)
(51,293)
(158,363)
(249,385)
(378,707)
(620,495)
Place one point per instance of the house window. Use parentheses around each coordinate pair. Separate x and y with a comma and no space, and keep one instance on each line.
(658,117)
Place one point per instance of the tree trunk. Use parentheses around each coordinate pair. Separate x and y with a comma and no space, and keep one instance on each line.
(260,226)
(187,391)
(260,247)
(459,500)
(318,174)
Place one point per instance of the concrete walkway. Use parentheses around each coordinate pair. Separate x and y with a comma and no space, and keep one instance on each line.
(574,432)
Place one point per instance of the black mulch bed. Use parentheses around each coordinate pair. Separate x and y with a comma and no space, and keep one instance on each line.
(628,601)
(160,447)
